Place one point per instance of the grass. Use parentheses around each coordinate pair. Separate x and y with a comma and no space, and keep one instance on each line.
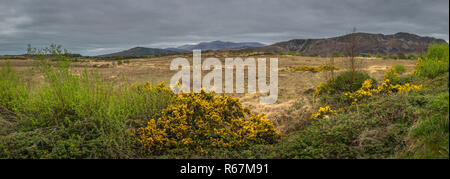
(72,116)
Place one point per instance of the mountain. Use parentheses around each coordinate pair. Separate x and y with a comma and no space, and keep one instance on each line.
(215,45)
(368,43)
(220,45)
(141,51)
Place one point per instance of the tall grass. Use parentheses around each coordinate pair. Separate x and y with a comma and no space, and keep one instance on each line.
(70,116)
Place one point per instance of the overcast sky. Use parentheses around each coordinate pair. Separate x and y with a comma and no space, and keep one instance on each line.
(93,27)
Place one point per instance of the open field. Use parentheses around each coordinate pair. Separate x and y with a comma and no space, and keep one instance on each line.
(295,88)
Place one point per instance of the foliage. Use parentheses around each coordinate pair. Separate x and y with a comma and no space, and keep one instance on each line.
(313,68)
(435,62)
(344,82)
(72,116)
(323,112)
(399,68)
(202,122)
(378,55)
(392,75)
(368,91)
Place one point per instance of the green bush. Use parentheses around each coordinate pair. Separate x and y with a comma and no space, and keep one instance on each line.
(378,55)
(435,62)
(12,89)
(400,69)
(344,82)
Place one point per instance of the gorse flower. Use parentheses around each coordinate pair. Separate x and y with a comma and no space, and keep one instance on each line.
(323,112)
(391,75)
(203,121)
(319,89)
(386,87)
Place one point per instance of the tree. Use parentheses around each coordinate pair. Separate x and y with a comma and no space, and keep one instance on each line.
(352,51)
(335,54)
(378,55)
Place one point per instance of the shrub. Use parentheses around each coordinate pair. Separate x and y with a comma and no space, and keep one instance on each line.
(386,87)
(313,68)
(401,55)
(203,122)
(344,82)
(12,89)
(335,54)
(435,62)
(292,53)
(323,113)
(391,75)
(399,68)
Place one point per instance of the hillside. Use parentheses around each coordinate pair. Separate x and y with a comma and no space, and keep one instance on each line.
(368,43)
(215,45)
(219,45)
(141,51)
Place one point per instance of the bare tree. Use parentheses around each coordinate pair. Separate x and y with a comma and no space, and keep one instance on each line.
(352,52)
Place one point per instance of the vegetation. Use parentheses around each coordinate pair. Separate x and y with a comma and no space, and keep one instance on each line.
(203,122)
(82,116)
(70,116)
(435,62)
(399,69)
(398,121)
(344,82)
(313,68)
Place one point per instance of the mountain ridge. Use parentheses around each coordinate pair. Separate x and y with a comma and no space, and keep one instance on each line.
(400,42)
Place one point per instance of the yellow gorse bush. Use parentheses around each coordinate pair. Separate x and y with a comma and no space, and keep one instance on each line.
(313,68)
(391,74)
(204,121)
(367,90)
(418,65)
(323,112)
(328,68)
(319,89)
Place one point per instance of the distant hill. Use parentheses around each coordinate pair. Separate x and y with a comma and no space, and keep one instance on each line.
(368,43)
(215,45)
(141,51)
(220,45)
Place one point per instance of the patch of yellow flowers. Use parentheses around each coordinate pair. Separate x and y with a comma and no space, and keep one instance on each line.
(418,66)
(367,90)
(204,121)
(319,89)
(313,68)
(323,113)
(391,74)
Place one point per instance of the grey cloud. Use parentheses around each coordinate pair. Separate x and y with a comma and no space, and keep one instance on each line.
(94,27)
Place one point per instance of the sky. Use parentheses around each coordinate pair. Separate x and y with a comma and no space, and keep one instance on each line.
(94,27)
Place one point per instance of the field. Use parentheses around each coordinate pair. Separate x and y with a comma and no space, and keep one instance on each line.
(96,108)
(294,87)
